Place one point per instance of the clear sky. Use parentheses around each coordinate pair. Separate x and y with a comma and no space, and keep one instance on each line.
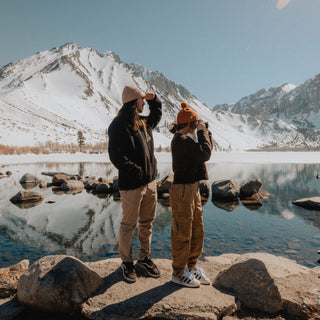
(220,50)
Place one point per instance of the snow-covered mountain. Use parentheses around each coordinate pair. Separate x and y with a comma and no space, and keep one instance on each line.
(298,107)
(53,94)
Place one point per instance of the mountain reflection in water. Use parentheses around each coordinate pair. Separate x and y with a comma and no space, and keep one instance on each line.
(86,225)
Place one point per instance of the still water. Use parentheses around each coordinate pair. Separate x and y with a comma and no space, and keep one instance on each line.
(86,226)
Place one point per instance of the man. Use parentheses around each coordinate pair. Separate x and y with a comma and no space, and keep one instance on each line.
(131,151)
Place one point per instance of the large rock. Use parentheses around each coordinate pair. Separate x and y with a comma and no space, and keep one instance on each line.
(29,181)
(91,184)
(225,190)
(164,185)
(57,284)
(271,284)
(27,196)
(59,179)
(308,203)
(150,298)
(103,188)
(254,201)
(70,185)
(103,180)
(250,188)
(29,178)
(9,278)
(52,174)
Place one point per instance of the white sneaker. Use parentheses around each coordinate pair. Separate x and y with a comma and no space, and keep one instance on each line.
(186,280)
(200,275)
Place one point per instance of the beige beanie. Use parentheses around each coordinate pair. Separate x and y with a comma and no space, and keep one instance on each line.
(130,93)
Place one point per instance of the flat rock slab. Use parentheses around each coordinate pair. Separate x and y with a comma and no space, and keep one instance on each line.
(308,203)
(149,297)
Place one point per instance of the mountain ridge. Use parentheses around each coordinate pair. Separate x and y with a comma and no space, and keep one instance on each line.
(55,93)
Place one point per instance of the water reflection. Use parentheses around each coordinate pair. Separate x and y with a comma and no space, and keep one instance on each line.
(226,205)
(87,225)
(27,205)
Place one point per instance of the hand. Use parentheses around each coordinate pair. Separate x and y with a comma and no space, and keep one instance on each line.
(201,125)
(149,96)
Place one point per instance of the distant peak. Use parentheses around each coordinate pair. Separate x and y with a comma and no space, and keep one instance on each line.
(114,56)
(69,45)
(287,87)
(66,48)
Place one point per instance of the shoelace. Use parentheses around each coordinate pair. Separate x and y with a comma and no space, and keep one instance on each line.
(200,270)
(189,275)
(149,261)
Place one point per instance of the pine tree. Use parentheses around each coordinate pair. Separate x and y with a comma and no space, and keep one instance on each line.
(81,140)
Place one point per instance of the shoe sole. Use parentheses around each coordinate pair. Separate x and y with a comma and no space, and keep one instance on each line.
(142,268)
(125,277)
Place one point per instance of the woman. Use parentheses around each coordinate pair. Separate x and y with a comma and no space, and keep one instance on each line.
(131,151)
(188,162)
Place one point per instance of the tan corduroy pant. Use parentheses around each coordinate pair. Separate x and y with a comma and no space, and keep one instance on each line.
(187,231)
(138,205)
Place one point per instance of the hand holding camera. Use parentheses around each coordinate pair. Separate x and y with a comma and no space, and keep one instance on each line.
(201,125)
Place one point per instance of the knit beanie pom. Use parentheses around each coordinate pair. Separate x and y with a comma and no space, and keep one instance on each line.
(184,105)
(186,114)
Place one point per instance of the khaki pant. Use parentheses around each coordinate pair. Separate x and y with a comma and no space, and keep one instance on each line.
(137,205)
(187,232)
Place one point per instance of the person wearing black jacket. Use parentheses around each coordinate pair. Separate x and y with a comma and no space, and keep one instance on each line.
(131,150)
(188,164)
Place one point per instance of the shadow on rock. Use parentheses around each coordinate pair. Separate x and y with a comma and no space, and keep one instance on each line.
(128,308)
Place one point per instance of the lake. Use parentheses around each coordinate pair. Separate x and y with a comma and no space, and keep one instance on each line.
(86,226)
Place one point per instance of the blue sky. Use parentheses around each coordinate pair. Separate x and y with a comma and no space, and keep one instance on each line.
(220,50)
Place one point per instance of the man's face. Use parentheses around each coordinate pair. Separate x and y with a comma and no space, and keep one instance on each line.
(140,104)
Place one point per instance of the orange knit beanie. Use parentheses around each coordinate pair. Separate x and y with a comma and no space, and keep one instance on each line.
(186,115)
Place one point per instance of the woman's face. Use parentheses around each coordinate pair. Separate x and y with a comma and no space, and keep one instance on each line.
(140,103)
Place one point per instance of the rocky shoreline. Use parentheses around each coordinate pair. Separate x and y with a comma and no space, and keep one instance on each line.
(248,286)
(226,193)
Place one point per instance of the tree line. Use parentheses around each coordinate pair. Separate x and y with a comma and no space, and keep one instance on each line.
(57,147)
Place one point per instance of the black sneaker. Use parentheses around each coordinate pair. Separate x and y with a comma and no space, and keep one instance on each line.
(128,271)
(148,267)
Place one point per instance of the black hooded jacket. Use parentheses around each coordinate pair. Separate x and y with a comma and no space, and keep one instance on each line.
(132,151)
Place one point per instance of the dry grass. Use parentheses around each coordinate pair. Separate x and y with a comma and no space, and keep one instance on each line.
(54,147)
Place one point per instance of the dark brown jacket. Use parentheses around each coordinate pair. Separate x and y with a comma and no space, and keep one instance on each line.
(189,157)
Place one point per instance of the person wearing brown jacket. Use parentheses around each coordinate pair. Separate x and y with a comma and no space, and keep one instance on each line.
(188,163)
